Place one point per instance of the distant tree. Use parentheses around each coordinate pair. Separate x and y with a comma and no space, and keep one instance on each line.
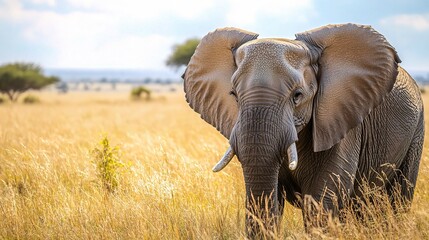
(182,53)
(16,78)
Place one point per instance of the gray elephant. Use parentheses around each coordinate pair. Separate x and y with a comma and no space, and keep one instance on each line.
(310,118)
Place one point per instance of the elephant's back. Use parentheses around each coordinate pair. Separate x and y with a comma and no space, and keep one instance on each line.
(388,130)
(407,90)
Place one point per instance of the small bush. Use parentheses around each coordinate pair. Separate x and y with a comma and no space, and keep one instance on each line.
(109,165)
(1,100)
(138,91)
(30,99)
(422,90)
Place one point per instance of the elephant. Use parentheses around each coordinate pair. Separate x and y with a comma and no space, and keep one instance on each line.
(310,119)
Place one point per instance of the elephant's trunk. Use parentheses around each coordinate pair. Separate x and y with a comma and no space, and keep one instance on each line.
(261,200)
(260,140)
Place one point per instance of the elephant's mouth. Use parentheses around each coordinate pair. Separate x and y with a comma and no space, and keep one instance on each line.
(292,155)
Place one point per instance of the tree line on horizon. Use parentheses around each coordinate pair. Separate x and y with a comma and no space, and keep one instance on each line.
(17,78)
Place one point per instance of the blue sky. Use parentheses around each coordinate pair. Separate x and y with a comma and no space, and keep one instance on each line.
(136,34)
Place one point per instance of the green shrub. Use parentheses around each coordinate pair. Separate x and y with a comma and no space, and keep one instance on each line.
(136,92)
(109,165)
(423,90)
(1,100)
(30,99)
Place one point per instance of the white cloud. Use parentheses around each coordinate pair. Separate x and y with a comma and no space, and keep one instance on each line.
(91,40)
(47,2)
(11,10)
(415,21)
(88,39)
(135,52)
(245,12)
(94,34)
(137,9)
(127,52)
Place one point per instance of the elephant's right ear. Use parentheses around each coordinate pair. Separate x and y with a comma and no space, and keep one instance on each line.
(207,79)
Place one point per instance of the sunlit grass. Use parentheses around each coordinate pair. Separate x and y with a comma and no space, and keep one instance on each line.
(50,188)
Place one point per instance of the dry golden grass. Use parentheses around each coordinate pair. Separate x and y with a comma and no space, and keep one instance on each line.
(49,187)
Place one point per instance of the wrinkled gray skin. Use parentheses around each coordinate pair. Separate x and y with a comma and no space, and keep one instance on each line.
(336,91)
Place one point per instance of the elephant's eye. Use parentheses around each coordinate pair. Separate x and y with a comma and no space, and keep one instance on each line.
(233,93)
(297,96)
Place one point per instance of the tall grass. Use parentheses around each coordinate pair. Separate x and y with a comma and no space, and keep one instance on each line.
(50,187)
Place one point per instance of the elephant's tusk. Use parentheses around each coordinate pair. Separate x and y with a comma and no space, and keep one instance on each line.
(292,155)
(224,161)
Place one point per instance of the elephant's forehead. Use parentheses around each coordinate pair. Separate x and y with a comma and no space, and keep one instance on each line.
(267,62)
(271,52)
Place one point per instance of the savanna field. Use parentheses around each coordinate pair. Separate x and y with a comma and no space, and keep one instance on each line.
(51,187)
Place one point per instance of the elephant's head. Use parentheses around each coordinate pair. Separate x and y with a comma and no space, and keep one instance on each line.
(260,93)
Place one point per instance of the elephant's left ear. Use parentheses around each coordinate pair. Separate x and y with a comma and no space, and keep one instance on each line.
(357,67)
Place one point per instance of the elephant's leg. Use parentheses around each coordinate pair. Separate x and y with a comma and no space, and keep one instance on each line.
(315,212)
(330,188)
(320,206)
(402,187)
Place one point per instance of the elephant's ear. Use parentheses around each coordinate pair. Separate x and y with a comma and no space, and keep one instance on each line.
(357,67)
(207,79)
